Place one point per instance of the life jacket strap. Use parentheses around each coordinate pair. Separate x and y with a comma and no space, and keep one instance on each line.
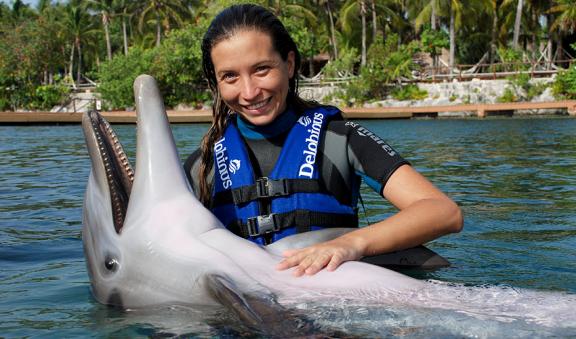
(266,188)
(303,220)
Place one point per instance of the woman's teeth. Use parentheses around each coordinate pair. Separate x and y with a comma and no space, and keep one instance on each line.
(258,105)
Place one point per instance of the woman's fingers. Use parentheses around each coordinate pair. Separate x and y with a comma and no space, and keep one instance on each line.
(313,259)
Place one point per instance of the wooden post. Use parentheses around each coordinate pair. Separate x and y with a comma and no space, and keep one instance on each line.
(481,110)
(572,109)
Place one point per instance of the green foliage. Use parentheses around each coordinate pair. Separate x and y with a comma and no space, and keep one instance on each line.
(117,77)
(388,62)
(344,65)
(512,58)
(177,66)
(47,96)
(307,41)
(509,95)
(434,40)
(564,87)
(409,92)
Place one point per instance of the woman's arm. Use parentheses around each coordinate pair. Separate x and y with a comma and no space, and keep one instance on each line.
(425,213)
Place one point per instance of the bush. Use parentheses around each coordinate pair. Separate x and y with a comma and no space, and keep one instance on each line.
(47,96)
(177,65)
(409,92)
(344,65)
(564,87)
(388,63)
(117,77)
(509,95)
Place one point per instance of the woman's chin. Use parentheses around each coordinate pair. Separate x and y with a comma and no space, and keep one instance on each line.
(258,119)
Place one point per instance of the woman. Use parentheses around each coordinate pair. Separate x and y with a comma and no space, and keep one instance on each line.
(273,164)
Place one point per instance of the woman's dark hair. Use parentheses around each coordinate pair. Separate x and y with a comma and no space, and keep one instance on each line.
(225,25)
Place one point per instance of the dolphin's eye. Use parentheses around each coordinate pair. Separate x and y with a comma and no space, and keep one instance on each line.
(111,264)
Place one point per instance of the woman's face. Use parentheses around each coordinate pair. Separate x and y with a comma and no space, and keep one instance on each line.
(252,77)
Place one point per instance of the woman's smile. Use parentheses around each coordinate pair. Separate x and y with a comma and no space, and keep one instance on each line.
(259,105)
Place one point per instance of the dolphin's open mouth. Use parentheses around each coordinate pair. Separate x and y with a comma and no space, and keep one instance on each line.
(119,172)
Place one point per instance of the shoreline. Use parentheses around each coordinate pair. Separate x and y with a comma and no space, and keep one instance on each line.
(410,112)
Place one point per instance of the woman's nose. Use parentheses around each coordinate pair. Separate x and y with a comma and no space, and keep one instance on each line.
(250,89)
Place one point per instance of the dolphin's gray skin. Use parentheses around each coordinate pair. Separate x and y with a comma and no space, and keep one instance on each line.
(152,242)
(149,241)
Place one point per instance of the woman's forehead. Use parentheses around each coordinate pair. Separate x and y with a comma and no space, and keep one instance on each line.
(244,46)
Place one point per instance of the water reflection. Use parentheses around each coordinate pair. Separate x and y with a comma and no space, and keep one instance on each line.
(514,178)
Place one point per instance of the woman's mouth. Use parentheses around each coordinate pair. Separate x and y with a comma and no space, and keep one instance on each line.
(258,105)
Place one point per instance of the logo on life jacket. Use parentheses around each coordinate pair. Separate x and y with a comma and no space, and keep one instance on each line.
(307,168)
(304,120)
(221,159)
(234,166)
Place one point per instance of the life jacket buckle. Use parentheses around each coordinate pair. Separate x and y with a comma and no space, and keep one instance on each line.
(266,188)
(262,224)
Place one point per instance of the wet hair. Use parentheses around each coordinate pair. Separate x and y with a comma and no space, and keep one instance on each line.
(225,25)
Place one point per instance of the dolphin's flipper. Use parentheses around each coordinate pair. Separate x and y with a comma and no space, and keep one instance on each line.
(261,313)
(416,257)
(224,292)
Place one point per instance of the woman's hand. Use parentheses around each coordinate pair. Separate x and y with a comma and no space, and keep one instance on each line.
(425,213)
(327,255)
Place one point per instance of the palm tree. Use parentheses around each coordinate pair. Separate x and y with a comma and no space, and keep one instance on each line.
(106,9)
(124,9)
(80,27)
(517,22)
(566,20)
(349,14)
(161,13)
(424,12)
(363,17)
(327,6)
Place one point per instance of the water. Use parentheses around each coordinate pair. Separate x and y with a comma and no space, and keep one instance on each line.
(514,178)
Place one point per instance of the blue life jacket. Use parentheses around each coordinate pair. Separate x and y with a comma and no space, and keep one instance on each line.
(291,199)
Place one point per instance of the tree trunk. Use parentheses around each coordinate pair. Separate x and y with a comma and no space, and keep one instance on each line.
(125,35)
(549,52)
(107,35)
(158,30)
(363,16)
(71,67)
(79,71)
(433,15)
(452,40)
(494,40)
(332,30)
(374,20)
(517,23)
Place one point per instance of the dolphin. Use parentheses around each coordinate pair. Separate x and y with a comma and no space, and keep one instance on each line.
(148,242)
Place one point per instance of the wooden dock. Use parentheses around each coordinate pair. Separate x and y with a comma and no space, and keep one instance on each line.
(205,116)
(481,110)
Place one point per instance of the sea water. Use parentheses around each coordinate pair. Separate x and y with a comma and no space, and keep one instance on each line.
(515,179)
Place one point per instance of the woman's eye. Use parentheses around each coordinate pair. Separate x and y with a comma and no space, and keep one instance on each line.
(262,69)
(228,77)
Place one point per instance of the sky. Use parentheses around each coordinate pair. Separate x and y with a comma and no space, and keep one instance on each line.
(29,2)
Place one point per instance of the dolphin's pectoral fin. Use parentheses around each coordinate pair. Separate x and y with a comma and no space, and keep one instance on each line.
(415,257)
(262,313)
(224,292)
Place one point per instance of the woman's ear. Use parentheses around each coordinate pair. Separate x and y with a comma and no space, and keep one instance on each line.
(290,62)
